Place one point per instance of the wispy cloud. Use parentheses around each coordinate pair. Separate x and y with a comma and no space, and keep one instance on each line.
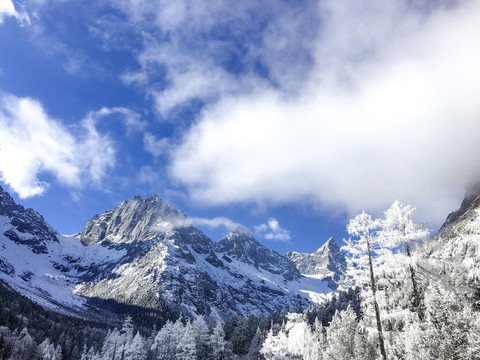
(130,119)
(390,111)
(156,146)
(272,231)
(187,58)
(215,222)
(32,143)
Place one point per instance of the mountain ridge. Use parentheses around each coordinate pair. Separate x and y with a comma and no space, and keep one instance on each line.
(146,253)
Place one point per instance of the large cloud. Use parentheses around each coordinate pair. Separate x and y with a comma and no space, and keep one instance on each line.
(32,143)
(203,50)
(391,111)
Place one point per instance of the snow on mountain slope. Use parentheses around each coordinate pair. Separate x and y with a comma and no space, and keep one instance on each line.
(457,241)
(145,253)
(327,263)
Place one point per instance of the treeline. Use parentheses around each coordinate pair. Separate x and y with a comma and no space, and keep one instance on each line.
(28,331)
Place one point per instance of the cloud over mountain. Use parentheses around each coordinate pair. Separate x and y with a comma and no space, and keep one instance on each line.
(390,111)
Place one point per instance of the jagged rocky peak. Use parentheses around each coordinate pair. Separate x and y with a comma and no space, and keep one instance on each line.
(328,262)
(330,247)
(239,242)
(472,192)
(242,245)
(135,219)
(26,226)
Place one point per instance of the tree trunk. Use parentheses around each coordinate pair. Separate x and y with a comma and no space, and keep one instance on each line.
(375,305)
(416,294)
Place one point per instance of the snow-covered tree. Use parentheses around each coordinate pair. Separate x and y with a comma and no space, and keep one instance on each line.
(135,348)
(275,346)
(166,344)
(188,350)
(398,236)
(344,339)
(360,260)
(218,342)
(24,347)
(202,337)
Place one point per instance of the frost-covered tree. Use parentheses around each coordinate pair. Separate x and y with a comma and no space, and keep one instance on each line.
(344,341)
(188,350)
(24,347)
(135,349)
(217,342)
(166,344)
(275,346)
(202,337)
(47,350)
(398,235)
(360,260)
(89,354)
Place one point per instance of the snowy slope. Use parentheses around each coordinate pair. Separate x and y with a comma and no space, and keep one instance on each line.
(145,253)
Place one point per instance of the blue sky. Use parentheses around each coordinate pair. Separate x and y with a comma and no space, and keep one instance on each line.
(286,117)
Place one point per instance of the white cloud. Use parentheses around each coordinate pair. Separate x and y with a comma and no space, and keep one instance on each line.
(32,143)
(7,9)
(200,51)
(183,221)
(391,112)
(130,119)
(272,231)
(154,146)
(215,222)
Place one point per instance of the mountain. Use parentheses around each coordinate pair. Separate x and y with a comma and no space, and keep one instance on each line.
(327,263)
(146,254)
(457,241)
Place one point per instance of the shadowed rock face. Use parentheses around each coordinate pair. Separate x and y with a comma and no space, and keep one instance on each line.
(241,244)
(328,263)
(471,193)
(29,227)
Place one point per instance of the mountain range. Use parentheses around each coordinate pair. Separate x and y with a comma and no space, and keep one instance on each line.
(146,254)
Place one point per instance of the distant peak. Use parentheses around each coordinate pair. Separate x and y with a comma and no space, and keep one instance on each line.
(240,229)
(330,244)
(154,197)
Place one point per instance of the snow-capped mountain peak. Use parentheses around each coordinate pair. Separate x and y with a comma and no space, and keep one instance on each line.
(145,253)
(135,219)
(327,263)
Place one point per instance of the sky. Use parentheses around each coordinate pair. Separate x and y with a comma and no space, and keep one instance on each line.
(288,117)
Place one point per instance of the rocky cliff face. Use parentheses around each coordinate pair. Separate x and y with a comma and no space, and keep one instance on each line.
(25,226)
(457,241)
(145,253)
(133,220)
(327,263)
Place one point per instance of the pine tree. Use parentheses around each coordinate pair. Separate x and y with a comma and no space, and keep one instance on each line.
(256,346)
(24,347)
(188,349)
(202,337)
(135,348)
(217,342)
